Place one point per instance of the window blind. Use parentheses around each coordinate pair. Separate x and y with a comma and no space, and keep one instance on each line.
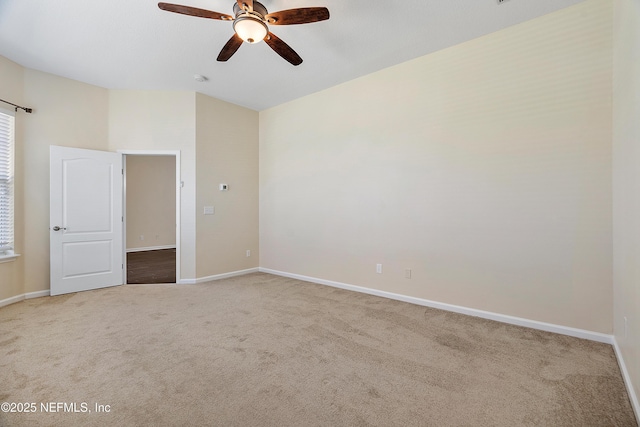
(6,181)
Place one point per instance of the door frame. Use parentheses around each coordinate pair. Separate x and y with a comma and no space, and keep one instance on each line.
(176,154)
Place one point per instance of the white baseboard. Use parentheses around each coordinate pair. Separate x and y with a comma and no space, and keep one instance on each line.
(151,248)
(534,324)
(11,300)
(37,294)
(218,276)
(633,397)
(46,293)
(23,297)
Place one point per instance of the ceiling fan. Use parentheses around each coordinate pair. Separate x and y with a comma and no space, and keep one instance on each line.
(251,25)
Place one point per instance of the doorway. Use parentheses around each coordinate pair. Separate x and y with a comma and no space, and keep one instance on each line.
(151,215)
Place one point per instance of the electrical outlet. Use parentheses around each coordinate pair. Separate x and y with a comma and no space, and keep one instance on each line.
(157,236)
(379,268)
(248,253)
(407,273)
(141,237)
(626,326)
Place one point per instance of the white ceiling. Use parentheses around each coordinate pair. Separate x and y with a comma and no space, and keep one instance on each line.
(132,44)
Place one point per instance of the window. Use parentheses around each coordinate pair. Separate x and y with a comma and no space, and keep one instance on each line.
(7,126)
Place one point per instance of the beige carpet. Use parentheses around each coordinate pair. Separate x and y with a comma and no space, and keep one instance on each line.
(261,350)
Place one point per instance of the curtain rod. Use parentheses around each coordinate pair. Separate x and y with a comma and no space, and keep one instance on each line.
(27,110)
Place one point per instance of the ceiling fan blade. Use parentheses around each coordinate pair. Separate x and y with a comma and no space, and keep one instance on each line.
(230,48)
(193,11)
(245,4)
(282,49)
(303,15)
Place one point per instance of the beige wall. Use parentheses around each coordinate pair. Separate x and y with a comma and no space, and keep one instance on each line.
(74,114)
(484,168)
(227,152)
(67,113)
(151,201)
(11,88)
(626,180)
(158,120)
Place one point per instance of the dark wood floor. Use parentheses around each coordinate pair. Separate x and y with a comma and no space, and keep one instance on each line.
(151,266)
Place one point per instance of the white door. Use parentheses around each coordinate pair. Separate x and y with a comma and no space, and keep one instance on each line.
(85,219)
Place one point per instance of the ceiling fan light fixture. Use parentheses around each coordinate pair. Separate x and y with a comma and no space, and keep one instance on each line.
(251,25)
(250,29)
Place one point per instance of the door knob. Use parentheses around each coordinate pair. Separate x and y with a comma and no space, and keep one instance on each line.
(56,228)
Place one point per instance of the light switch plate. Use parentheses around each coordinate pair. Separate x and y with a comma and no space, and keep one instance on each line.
(209,210)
